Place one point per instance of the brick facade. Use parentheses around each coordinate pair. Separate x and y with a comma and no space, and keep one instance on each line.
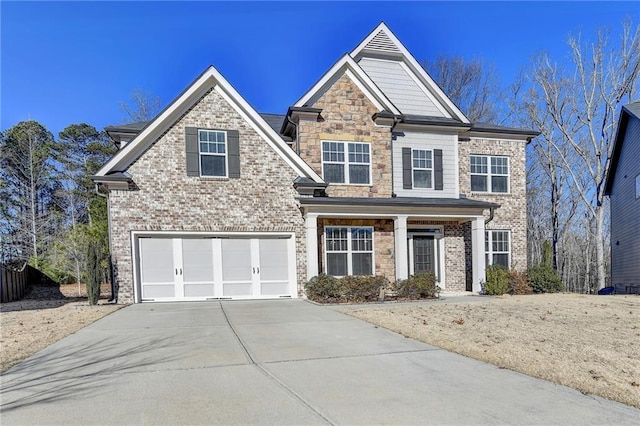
(166,199)
(512,214)
(347,116)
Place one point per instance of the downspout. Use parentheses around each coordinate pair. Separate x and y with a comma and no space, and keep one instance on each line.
(297,139)
(491,214)
(114,298)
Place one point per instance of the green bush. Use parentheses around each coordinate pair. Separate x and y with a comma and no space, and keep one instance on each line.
(419,286)
(361,288)
(497,280)
(519,283)
(323,288)
(544,279)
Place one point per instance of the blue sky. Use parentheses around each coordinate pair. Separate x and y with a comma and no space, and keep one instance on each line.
(71,62)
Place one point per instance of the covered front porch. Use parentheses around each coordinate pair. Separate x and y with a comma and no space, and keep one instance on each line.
(398,237)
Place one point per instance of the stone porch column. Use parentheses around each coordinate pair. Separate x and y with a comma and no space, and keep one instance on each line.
(311,225)
(401,255)
(478,253)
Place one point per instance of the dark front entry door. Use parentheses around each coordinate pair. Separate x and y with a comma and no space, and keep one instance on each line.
(423,254)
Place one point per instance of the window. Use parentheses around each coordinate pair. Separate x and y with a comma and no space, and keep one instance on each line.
(422,168)
(346,162)
(489,174)
(497,248)
(637,186)
(349,251)
(213,153)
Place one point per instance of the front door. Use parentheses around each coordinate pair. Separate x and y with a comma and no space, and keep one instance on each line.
(423,254)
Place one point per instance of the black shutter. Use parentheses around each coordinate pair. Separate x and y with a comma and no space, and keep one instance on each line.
(193,151)
(233,145)
(437,169)
(407,181)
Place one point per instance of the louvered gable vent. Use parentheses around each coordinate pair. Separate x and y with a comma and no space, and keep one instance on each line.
(382,43)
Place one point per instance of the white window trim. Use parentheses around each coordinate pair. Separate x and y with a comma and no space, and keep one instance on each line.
(349,251)
(346,162)
(489,241)
(226,155)
(413,168)
(637,186)
(489,174)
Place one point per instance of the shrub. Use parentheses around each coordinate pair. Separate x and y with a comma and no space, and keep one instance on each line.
(519,283)
(497,280)
(544,279)
(419,286)
(323,288)
(93,274)
(361,288)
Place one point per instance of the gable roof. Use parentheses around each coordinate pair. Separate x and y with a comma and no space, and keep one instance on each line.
(627,112)
(209,79)
(382,43)
(346,65)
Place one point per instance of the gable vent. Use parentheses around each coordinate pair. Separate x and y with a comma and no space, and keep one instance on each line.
(382,43)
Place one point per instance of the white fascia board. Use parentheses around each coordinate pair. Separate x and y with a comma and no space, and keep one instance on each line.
(501,136)
(415,69)
(211,78)
(347,65)
(351,211)
(134,148)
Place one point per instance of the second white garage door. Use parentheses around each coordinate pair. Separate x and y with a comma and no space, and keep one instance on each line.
(208,268)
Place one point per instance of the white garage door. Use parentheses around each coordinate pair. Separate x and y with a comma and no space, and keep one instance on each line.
(209,268)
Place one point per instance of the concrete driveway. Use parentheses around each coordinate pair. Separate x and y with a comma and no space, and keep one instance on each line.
(273,362)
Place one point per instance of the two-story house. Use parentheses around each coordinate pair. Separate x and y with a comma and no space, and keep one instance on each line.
(373,171)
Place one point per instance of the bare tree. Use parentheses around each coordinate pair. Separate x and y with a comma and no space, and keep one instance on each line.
(26,172)
(577,110)
(471,85)
(142,106)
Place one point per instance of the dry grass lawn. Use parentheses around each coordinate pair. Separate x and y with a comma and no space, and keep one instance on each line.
(44,316)
(590,343)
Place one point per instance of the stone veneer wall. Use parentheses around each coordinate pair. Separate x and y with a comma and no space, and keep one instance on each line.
(512,214)
(383,243)
(262,199)
(456,257)
(347,116)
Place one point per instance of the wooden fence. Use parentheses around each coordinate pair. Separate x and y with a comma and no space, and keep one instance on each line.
(14,284)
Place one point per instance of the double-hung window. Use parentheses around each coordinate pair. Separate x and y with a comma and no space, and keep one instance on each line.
(422,168)
(213,153)
(497,248)
(346,162)
(349,251)
(489,174)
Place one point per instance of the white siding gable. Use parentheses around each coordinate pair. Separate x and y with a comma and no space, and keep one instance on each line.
(448,143)
(398,85)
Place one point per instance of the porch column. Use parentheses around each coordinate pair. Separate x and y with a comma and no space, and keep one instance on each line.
(311,225)
(402,260)
(478,253)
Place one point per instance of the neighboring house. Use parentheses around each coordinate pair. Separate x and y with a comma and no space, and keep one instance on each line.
(373,171)
(623,189)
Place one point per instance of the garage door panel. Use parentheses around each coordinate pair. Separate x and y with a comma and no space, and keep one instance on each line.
(158,291)
(236,260)
(156,258)
(274,260)
(199,290)
(197,255)
(237,289)
(274,289)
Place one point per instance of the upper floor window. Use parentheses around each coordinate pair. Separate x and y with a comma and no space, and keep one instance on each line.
(497,248)
(213,153)
(489,174)
(349,251)
(346,162)
(422,168)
